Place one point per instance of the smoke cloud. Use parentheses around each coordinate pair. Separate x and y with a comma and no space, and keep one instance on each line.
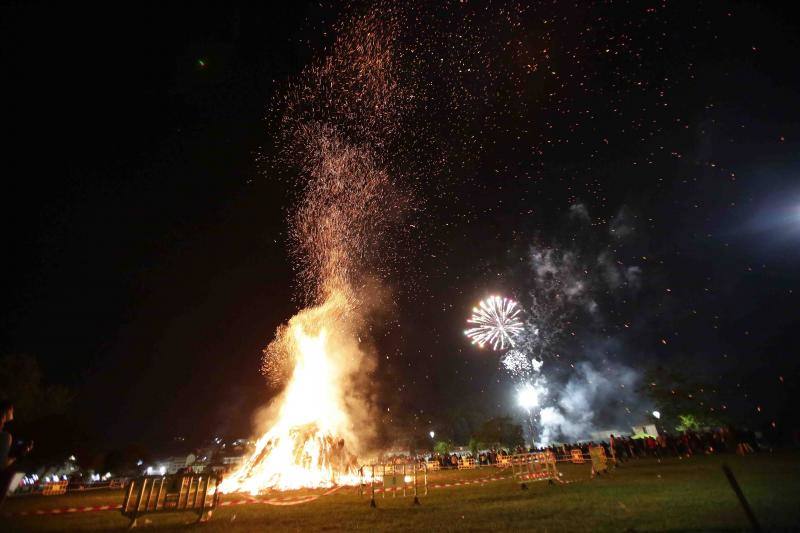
(567,348)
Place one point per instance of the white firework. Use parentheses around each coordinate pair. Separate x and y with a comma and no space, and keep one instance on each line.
(516,362)
(496,321)
(530,395)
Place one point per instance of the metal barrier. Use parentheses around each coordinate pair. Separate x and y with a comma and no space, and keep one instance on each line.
(118,483)
(386,474)
(169,494)
(527,467)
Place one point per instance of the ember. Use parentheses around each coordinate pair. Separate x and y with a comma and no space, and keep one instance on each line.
(349,210)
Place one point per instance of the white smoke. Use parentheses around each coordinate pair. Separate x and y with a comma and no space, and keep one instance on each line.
(622,225)
(570,283)
(592,399)
(633,275)
(580,212)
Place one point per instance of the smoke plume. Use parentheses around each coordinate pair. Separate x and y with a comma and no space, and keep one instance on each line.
(574,285)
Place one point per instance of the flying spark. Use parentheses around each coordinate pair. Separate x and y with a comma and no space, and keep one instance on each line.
(349,208)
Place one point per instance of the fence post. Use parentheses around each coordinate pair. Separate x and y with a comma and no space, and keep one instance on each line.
(742,500)
(416,498)
(404,480)
(372,500)
(426,478)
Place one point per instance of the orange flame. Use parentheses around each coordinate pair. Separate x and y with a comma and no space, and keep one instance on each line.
(305,447)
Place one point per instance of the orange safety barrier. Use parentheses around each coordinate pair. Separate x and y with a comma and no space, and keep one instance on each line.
(576,456)
(395,477)
(56,488)
(466,464)
(534,467)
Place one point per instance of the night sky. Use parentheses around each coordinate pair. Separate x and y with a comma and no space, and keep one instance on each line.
(145,239)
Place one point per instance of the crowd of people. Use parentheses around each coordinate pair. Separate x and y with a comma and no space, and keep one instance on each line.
(685,444)
(622,448)
(485,458)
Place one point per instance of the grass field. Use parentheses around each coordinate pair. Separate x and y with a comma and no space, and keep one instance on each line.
(675,495)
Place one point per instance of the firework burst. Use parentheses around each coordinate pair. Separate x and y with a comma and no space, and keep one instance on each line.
(516,362)
(496,321)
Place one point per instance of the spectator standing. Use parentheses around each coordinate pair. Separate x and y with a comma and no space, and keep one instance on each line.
(6,460)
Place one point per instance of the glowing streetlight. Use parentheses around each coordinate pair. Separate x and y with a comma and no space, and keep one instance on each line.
(657,414)
(432,434)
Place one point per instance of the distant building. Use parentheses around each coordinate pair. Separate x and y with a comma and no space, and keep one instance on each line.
(645,430)
(233,460)
(605,434)
(171,465)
